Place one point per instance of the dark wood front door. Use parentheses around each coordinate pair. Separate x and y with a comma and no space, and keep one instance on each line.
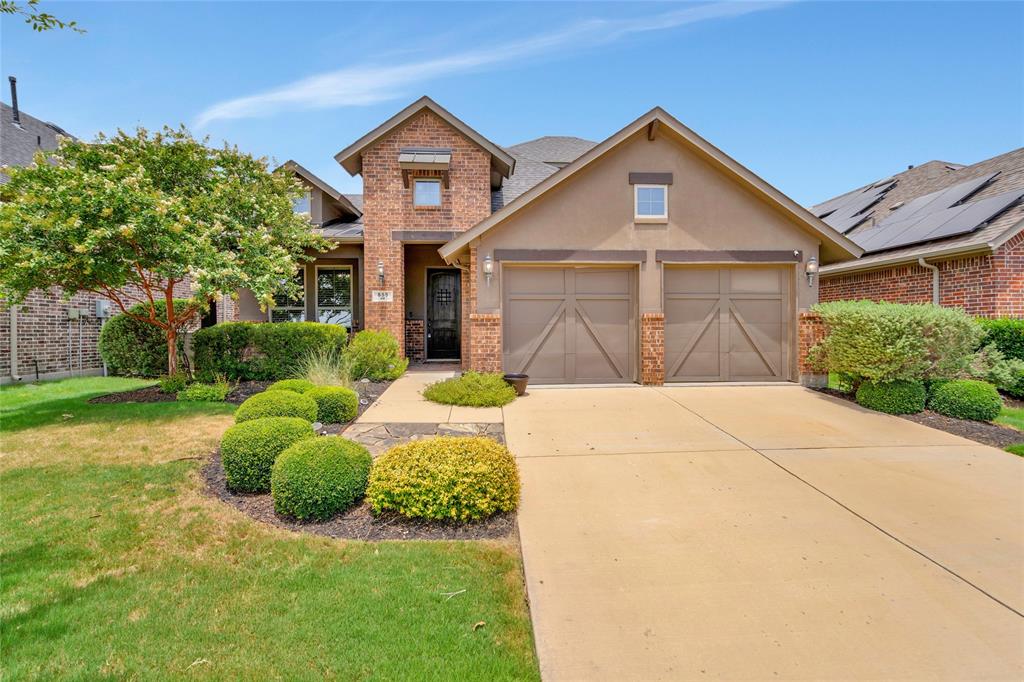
(443,314)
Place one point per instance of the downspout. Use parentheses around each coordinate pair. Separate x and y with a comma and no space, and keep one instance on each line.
(935,278)
(14,344)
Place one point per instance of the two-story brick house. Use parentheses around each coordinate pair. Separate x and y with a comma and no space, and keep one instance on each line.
(651,256)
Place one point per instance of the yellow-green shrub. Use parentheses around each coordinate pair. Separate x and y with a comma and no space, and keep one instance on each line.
(446,478)
(472,389)
(277,404)
(296,385)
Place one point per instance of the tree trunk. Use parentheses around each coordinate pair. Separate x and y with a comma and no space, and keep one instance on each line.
(172,352)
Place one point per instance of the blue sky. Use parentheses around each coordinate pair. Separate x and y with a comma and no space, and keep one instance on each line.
(816,97)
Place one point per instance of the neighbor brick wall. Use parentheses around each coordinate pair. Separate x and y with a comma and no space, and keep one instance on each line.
(811,330)
(415,339)
(486,347)
(652,349)
(985,285)
(387,206)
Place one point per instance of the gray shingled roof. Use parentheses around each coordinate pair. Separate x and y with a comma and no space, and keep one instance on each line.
(931,177)
(535,161)
(19,144)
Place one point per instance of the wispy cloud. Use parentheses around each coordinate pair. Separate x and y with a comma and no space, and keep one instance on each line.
(371,83)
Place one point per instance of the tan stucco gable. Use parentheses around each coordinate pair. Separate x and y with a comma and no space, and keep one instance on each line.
(659,125)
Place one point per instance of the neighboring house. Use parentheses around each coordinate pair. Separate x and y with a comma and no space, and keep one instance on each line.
(48,336)
(939,232)
(651,256)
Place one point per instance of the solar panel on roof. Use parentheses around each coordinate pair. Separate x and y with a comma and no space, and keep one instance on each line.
(849,211)
(944,198)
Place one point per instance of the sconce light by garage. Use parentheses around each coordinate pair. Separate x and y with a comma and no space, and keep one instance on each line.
(380,272)
(811,270)
(488,269)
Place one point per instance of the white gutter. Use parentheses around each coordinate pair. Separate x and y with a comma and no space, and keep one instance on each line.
(935,278)
(14,344)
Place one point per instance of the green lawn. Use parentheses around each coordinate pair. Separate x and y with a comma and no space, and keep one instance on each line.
(115,565)
(1012,416)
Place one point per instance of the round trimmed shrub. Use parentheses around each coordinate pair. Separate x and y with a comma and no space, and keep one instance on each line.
(374,355)
(893,397)
(277,404)
(448,478)
(315,479)
(335,404)
(472,389)
(967,399)
(248,450)
(134,348)
(296,385)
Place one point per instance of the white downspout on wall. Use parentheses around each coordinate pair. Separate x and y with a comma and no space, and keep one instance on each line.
(14,344)
(935,278)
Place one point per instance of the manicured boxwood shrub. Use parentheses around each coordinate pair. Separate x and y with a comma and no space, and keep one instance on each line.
(296,385)
(885,342)
(446,478)
(198,392)
(472,389)
(315,479)
(967,399)
(374,355)
(276,404)
(134,348)
(893,397)
(249,450)
(335,404)
(261,350)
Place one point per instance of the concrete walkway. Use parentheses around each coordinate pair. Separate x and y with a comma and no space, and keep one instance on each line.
(763,533)
(403,403)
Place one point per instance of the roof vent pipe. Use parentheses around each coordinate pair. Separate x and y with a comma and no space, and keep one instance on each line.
(14,99)
(935,278)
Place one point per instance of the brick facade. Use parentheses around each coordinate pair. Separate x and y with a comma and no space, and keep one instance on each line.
(652,349)
(388,205)
(415,339)
(811,330)
(985,285)
(486,347)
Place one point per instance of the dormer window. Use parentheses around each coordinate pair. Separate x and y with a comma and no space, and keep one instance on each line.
(301,204)
(426,192)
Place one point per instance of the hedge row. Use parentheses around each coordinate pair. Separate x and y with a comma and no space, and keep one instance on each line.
(261,351)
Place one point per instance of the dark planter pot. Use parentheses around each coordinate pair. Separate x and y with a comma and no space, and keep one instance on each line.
(518,382)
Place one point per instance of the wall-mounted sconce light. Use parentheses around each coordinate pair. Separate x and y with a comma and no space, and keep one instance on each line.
(488,269)
(811,270)
(380,272)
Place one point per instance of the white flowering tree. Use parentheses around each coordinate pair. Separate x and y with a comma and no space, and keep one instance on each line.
(133,216)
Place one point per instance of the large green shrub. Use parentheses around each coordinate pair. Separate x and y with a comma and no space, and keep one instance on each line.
(134,348)
(893,397)
(1006,334)
(315,479)
(472,389)
(884,342)
(446,478)
(335,404)
(295,385)
(374,355)
(261,350)
(276,404)
(249,450)
(967,399)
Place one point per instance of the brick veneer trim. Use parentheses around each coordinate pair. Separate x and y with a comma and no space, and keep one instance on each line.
(812,329)
(415,340)
(486,345)
(652,349)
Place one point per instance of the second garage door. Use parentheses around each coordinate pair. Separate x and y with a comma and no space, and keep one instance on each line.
(570,324)
(728,324)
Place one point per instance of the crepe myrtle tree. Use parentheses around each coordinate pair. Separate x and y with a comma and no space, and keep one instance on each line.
(129,217)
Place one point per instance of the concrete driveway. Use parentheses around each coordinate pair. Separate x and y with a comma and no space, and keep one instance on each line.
(765,532)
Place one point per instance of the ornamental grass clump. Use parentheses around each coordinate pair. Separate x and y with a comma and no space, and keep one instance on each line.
(472,389)
(323,367)
(334,404)
(277,404)
(967,399)
(316,479)
(249,450)
(892,397)
(448,478)
(296,385)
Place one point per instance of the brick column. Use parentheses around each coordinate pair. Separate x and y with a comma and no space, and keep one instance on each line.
(468,308)
(652,349)
(812,330)
(415,338)
(486,346)
(390,316)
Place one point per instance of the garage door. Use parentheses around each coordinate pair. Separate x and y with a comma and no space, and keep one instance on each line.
(728,324)
(570,325)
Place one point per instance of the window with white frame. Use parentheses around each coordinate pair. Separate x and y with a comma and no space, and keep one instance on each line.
(286,309)
(426,192)
(650,202)
(334,295)
(302,204)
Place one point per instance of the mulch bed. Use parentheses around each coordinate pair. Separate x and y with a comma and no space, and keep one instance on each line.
(356,523)
(981,432)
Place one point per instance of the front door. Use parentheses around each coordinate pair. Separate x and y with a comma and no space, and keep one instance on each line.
(443,314)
